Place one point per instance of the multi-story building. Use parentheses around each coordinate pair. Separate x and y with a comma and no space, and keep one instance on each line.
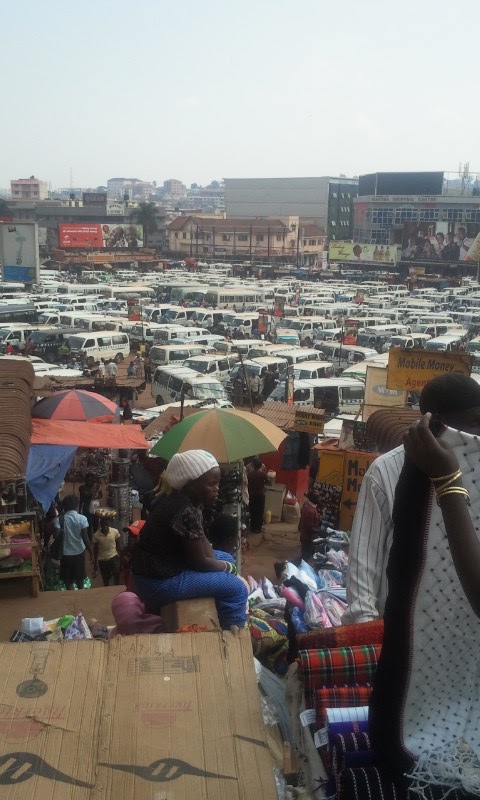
(174,187)
(325,201)
(136,189)
(28,189)
(267,240)
(416,210)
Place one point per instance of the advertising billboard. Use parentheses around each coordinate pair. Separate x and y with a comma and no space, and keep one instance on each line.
(19,252)
(350,251)
(98,235)
(441,241)
(350,331)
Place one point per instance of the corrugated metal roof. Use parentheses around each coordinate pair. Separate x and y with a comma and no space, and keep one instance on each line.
(283,414)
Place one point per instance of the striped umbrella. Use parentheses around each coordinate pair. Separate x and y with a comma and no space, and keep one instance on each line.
(76,405)
(227,434)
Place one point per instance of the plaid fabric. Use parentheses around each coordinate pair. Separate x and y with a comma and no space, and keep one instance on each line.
(341,636)
(340,697)
(340,666)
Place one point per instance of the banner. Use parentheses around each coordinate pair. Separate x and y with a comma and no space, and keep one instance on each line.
(278,307)
(442,240)
(19,252)
(354,468)
(98,235)
(350,331)
(262,324)
(350,251)
(376,392)
(134,310)
(411,369)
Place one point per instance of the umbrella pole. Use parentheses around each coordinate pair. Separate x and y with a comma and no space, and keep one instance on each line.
(238,555)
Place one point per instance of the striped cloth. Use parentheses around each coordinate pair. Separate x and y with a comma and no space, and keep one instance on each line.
(339,666)
(370,783)
(350,751)
(340,697)
(341,636)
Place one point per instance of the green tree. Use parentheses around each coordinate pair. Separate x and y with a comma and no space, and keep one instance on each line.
(4,209)
(146,215)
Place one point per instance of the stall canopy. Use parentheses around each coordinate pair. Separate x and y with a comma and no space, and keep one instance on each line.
(87,434)
(46,469)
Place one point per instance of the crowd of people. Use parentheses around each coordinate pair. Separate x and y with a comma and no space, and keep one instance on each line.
(451,247)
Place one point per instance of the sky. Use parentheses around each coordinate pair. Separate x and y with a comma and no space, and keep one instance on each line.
(158,89)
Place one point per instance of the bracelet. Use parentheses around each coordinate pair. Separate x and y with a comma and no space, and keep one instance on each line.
(454,490)
(448,480)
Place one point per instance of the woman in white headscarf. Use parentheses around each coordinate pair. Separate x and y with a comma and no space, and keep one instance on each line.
(173,559)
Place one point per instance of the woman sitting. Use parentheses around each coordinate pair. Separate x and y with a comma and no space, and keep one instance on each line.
(173,559)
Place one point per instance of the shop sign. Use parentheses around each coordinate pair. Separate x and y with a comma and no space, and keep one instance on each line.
(306,422)
(411,369)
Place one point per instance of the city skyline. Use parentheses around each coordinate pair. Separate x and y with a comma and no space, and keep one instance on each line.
(238,89)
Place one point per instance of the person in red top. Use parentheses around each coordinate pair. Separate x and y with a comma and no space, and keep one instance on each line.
(309,521)
(257,480)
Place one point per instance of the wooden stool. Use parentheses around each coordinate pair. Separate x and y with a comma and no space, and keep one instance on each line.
(197,611)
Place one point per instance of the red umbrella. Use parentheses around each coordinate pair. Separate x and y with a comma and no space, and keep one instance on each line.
(77,405)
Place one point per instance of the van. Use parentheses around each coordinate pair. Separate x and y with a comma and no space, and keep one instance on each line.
(448,343)
(309,370)
(408,341)
(267,349)
(335,395)
(233,320)
(15,335)
(440,330)
(156,312)
(171,332)
(144,332)
(217,366)
(101,344)
(344,355)
(177,315)
(295,355)
(49,317)
(171,383)
(162,355)
(237,345)
(253,367)
(46,343)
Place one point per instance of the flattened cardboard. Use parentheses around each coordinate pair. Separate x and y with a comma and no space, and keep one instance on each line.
(182,720)
(50,702)
(167,717)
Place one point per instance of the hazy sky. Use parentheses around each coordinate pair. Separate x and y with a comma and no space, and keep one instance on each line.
(158,89)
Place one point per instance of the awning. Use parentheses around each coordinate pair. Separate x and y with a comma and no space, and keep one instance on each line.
(88,434)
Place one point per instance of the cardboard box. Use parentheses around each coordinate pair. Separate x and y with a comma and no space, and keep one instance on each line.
(166,717)
(274,500)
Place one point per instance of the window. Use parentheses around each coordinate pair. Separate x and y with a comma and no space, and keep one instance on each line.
(104,341)
(184,235)
(225,237)
(176,235)
(312,242)
(242,237)
(119,339)
(405,214)
(429,214)
(89,343)
(279,238)
(452,214)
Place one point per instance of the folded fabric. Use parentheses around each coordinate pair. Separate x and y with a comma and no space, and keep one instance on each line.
(315,613)
(339,697)
(350,751)
(342,728)
(269,640)
(131,618)
(339,666)
(372,783)
(341,636)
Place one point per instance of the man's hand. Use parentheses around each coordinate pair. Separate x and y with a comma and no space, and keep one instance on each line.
(428,453)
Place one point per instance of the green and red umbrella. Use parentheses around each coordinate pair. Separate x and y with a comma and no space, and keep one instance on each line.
(76,405)
(229,435)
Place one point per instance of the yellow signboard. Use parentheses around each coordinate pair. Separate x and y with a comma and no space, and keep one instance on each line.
(355,466)
(305,422)
(412,369)
(330,467)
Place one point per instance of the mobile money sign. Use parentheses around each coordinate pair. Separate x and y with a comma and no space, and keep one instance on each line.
(411,369)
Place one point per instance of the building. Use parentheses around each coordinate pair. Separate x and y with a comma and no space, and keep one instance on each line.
(265,240)
(136,189)
(174,187)
(28,189)
(326,202)
(420,211)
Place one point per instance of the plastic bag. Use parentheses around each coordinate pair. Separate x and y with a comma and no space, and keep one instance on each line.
(315,614)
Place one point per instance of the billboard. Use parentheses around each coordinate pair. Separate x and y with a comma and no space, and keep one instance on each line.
(98,235)
(19,252)
(350,251)
(94,198)
(401,183)
(441,241)
(350,331)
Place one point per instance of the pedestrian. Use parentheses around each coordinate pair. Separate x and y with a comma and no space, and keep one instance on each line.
(257,481)
(139,366)
(90,495)
(101,369)
(147,369)
(131,370)
(127,413)
(106,553)
(308,525)
(255,385)
(111,370)
(74,534)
